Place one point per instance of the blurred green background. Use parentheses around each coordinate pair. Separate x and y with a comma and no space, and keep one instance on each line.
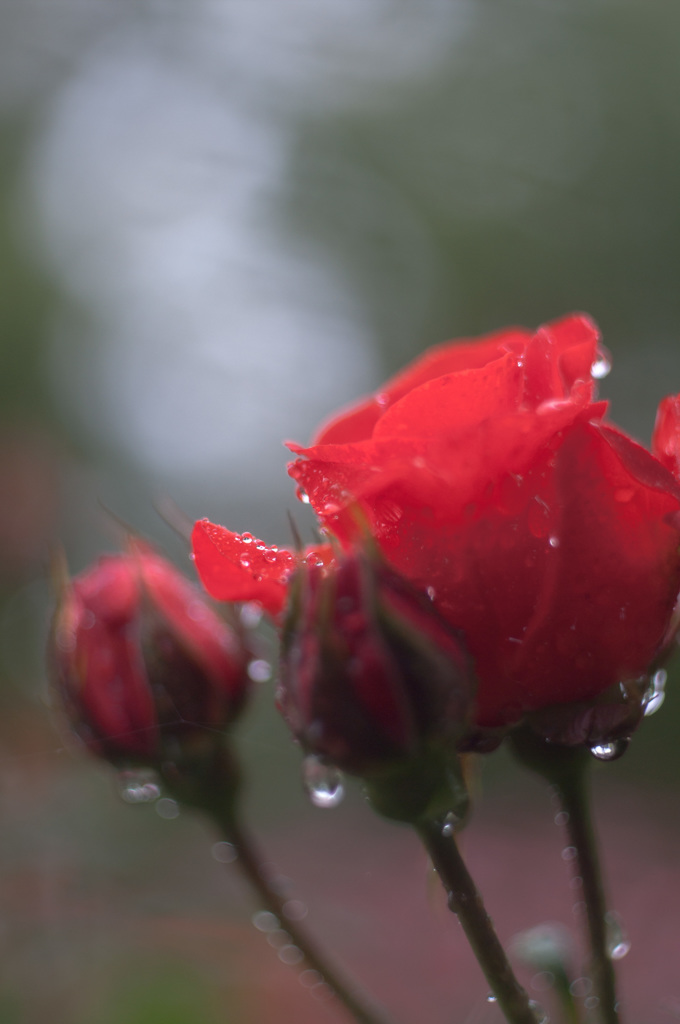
(218,222)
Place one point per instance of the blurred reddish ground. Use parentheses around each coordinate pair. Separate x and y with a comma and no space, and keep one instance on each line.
(91,887)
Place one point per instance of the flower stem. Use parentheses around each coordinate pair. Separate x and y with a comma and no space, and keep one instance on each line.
(215,790)
(574,798)
(466,902)
(251,866)
(566,769)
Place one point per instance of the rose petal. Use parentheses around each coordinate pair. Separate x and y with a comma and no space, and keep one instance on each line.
(357,422)
(666,437)
(239,567)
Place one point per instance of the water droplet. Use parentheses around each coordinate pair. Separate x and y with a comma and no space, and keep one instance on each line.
(270,556)
(610,751)
(295,910)
(451,822)
(580,987)
(618,943)
(265,921)
(65,639)
(247,538)
(281,884)
(491,998)
(309,978)
(538,1012)
(537,517)
(291,955)
(569,853)
(167,808)
(303,496)
(323,782)
(245,561)
(251,614)
(561,818)
(591,1002)
(554,541)
(543,981)
(259,670)
(656,694)
(431,593)
(139,787)
(322,992)
(602,366)
(278,938)
(225,853)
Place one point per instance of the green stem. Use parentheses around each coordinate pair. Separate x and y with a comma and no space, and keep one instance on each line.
(566,1000)
(574,798)
(466,902)
(251,866)
(566,768)
(212,785)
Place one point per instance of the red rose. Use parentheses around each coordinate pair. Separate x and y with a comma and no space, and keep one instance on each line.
(489,478)
(139,659)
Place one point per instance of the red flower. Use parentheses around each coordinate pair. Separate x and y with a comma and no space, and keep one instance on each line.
(140,660)
(489,478)
(370,673)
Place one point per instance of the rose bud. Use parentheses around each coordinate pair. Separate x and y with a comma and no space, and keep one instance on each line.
(144,667)
(371,675)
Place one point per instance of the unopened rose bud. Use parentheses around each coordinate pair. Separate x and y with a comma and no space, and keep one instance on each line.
(144,667)
(371,675)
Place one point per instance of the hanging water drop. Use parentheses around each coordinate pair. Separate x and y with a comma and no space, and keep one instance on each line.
(323,782)
(543,981)
(265,921)
(451,822)
(225,853)
(278,938)
(656,694)
(618,943)
(309,978)
(251,615)
(139,787)
(610,751)
(295,910)
(259,670)
(601,367)
(167,808)
(291,955)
